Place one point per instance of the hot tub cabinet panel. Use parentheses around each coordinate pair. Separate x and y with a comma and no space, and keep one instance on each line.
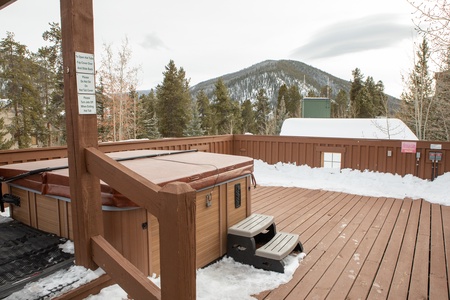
(132,230)
(212,221)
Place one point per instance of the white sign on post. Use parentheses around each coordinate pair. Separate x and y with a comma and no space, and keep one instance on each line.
(87,105)
(85,72)
(84,63)
(85,84)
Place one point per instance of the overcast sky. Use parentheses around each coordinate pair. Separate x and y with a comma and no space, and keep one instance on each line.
(212,38)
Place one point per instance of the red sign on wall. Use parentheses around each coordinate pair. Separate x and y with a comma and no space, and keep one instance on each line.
(409,147)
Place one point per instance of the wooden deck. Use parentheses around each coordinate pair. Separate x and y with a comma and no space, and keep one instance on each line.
(361,247)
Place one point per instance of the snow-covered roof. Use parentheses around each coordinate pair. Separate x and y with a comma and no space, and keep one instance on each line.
(380,128)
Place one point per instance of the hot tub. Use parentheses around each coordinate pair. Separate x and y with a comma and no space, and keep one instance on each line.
(223,184)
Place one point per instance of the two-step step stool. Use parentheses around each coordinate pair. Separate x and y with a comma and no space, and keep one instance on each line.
(255,241)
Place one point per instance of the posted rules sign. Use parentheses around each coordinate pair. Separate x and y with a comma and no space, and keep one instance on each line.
(85,72)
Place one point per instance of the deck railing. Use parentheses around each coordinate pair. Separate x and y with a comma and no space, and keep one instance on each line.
(374,155)
(387,156)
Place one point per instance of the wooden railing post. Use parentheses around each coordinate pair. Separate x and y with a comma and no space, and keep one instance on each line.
(177,242)
(77,27)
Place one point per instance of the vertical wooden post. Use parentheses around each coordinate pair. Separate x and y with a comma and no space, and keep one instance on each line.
(78,35)
(177,242)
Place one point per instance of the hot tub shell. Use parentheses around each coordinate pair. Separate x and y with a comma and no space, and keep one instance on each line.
(223,184)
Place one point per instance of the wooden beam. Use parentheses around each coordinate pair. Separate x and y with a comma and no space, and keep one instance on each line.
(130,278)
(5,3)
(127,182)
(77,27)
(91,288)
(178,241)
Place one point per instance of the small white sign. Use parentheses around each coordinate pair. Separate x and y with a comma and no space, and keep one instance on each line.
(87,105)
(84,63)
(85,84)
(436,146)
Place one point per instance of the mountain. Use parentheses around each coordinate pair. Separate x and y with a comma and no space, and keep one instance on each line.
(271,75)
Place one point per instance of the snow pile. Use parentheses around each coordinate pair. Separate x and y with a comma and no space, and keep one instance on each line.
(225,280)
(366,183)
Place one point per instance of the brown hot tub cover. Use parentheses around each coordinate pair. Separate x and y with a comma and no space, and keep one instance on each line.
(198,169)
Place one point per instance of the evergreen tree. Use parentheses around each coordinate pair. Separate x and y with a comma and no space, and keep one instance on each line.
(339,108)
(247,117)
(282,94)
(17,76)
(104,118)
(133,113)
(205,113)
(365,97)
(281,115)
(293,102)
(194,127)
(148,120)
(4,143)
(262,113)
(357,85)
(366,107)
(174,102)
(151,130)
(51,86)
(236,123)
(223,109)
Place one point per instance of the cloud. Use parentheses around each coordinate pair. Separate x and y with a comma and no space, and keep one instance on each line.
(373,32)
(152,41)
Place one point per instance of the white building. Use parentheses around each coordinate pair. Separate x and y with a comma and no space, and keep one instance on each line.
(379,128)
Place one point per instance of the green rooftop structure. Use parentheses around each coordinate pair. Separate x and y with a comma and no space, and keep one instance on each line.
(316,107)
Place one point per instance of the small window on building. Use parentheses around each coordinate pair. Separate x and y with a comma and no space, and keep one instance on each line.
(331,160)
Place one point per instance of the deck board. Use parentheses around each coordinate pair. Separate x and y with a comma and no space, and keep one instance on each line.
(361,247)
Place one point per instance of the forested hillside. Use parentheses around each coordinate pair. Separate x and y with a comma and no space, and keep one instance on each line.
(271,75)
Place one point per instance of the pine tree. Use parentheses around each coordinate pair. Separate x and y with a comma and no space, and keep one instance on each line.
(104,118)
(17,76)
(281,115)
(174,102)
(148,120)
(293,102)
(223,109)
(151,130)
(356,93)
(262,113)
(51,86)
(282,94)
(194,127)
(247,117)
(339,108)
(4,143)
(205,113)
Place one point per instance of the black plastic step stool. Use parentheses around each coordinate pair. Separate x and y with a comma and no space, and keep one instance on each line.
(255,241)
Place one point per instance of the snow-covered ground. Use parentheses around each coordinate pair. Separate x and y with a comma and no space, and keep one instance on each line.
(227,279)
